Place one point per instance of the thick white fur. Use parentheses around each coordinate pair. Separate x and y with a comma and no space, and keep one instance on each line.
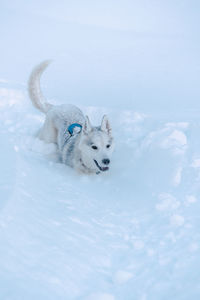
(74,151)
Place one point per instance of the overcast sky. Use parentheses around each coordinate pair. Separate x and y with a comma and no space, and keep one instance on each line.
(133,48)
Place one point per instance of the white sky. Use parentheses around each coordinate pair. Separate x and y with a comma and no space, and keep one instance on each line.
(138,51)
(152,16)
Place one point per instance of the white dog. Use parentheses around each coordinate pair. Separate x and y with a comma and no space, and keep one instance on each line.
(82,146)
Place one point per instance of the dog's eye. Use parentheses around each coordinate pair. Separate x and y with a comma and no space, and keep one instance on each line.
(94,147)
(108,146)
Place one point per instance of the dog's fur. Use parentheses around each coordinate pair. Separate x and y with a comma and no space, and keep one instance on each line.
(88,151)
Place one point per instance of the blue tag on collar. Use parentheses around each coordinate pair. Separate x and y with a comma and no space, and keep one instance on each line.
(72,126)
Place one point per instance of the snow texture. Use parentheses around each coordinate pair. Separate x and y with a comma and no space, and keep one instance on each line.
(132,233)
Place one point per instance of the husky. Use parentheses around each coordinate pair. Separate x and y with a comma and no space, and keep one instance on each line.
(80,145)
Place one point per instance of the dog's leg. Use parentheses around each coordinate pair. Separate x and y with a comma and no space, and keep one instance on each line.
(48,133)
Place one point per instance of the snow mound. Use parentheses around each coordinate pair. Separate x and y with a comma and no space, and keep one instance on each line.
(123,235)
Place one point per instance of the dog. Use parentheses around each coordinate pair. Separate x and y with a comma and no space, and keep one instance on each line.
(80,145)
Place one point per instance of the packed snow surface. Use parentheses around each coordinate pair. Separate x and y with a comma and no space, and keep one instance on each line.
(131,233)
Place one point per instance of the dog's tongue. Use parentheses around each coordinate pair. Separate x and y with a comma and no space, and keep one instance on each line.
(104,168)
(101,168)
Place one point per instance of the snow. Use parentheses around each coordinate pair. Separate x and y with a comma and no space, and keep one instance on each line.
(101,296)
(196,163)
(168,202)
(122,276)
(190,199)
(177,220)
(132,233)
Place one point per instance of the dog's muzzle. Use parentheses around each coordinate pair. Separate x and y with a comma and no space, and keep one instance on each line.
(103,169)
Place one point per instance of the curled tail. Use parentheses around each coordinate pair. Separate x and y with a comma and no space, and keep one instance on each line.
(34,89)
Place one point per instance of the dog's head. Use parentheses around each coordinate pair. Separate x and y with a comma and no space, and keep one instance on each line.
(96,145)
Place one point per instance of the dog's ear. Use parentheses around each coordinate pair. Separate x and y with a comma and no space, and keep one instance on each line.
(105,125)
(87,127)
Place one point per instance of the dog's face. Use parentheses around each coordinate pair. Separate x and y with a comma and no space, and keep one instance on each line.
(96,146)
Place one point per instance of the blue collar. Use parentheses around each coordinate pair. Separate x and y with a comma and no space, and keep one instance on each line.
(72,126)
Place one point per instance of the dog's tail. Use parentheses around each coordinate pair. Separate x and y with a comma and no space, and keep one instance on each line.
(34,89)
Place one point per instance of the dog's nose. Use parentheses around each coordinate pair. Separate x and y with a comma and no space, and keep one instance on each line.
(106,161)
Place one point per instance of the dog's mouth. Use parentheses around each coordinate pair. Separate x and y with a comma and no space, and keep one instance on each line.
(103,169)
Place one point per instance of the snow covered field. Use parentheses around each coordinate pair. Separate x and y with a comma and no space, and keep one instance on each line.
(132,233)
